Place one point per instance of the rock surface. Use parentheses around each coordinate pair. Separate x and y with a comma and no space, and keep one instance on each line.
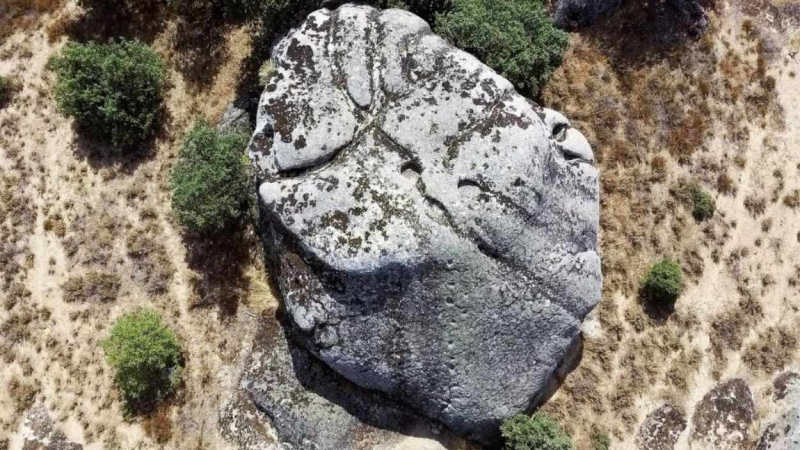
(310,407)
(783,432)
(434,233)
(41,434)
(661,429)
(722,417)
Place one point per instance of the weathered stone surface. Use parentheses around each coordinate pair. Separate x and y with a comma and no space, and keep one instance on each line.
(434,233)
(235,117)
(783,432)
(40,433)
(312,408)
(661,429)
(784,384)
(722,417)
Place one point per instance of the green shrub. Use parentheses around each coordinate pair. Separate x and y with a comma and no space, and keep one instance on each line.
(539,432)
(517,38)
(9,87)
(145,356)
(703,205)
(112,90)
(210,179)
(601,441)
(664,282)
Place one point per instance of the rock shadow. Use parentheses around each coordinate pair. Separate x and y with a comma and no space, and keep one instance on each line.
(220,261)
(199,43)
(107,21)
(647,32)
(312,406)
(571,361)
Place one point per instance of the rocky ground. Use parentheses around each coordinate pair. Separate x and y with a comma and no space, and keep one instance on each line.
(662,113)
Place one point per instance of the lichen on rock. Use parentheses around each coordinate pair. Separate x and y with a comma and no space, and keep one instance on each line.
(433,232)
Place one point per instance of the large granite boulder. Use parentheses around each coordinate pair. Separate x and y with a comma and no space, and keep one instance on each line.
(433,232)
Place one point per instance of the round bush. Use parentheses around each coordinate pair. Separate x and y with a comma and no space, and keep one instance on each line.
(517,38)
(703,204)
(145,356)
(539,432)
(210,180)
(113,90)
(664,282)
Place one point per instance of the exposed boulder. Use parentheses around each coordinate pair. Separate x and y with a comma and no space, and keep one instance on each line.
(661,429)
(434,233)
(312,408)
(41,434)
(783,432)
(722,417)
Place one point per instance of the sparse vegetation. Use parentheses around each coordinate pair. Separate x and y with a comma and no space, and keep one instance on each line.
(601,441)
(539,432)
(145,356)
(664,282)
(517,38)
(113,91)
(209,181)
(8,89)
(792,200)
(703,205)
(96,287)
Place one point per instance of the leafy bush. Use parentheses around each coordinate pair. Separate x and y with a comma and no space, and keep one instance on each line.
(210,180)
(601,441)
(145,356)
(539,432)
(664,282)
(8,89)
(517,38)
(112,90)
(703,204)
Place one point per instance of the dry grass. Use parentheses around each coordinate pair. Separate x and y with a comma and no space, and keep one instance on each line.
(159,425)
(772,351)
(94,287)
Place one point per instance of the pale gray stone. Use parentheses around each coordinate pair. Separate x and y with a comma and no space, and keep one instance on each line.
(783,429)
(434,233)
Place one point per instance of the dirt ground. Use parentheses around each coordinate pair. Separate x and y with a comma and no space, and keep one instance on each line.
(71,217)
(722,112)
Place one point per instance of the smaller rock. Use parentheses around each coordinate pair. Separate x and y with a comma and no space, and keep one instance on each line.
(661,429)
(784,383)
(41,434)
(722,417)
(783,433)
(289,400)
(236,116)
